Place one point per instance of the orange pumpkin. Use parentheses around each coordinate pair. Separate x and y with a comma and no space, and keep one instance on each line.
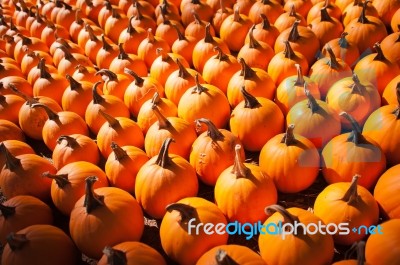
(264,32)
(231,254)
(16,148)
(326,27)
(77,91)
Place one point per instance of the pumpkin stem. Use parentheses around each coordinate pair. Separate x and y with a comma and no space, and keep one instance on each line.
(236,14)
(6,211)
(61,179)
(300,78)
(106,46)
(222,6)
(239,169)
(212,131)
(221,55)
(115,256)
(51,114)
(67,53)
(197,19)
(2,100)
(163,159)
(78,17)
(164,55)
(97,98)
(92,200)
(156,98)
(333,63)
(253,43)
(138,80)
(71,141)
(150,36)
(351,195)
(187,212)
(287,217)
(360,248)
(265,24)
(396,112)
(198,88)
(16,241)
(130,29)
(223,258)
(42,69)
(288,52)
(355,136)
(288,138)
(294,34)
(380,56)
(30,100)
(24,39)
(110,75)
(357,87)
(246,71)
(163,123)
(165,20)
(312,102)
(181,36)
(73,84)
(119,153)
(122,54)
(90,31)
(249,100)
(325,15)
(363,18)
(183,72)
(112,122)
(208,38)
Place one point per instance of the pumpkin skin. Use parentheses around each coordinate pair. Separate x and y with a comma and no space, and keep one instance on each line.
(274,248)
(131,253)
(40,245)
(345,202)
(16,148)
(386,191)
(68,184)
(163,180)
(326,27)
(123,164)
(300,161)
(175,240)
(352,153)
(381,248)
(10,131)
(212,152)
(251,184)
(10,106)
(251,117)
(20,212)
(107,207)
(230,253)
(77,91)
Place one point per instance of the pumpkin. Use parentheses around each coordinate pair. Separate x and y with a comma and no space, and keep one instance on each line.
(212,151)
(385,192)
(93,44)
(386,9)
(166,31)
(115,84)
(359,248)
(85,73)
(248,182)
(302,6)
(161,174)
(343,49)
(74,148)
(219,15)
(389,46)
(244,6)
(113,215)
(115,24)
(32,58)
(291,90)
(250,118)
(353,11)
(68,184)
(381,126)
(8,83)
(331,7)
(77,91)
(286,19)
(121,130)
(230,254)
(61,123)
(10,131)
(184,45)
(16,148)
(182,244)
(130,61)
(196,28)
(131,37)
(301,166)
(109,103)
(20,212)
(202,101)
(10,106)
(148,46)
(389,95)
(32,42)
(123,164)
(106,53)
(78,24)
(71,60)
(378,248)
(271,8)
(263,32)
(169,127)
(275,246)
(314,119)
(204,11)
(395,21)
(219,69)
(39,244)
(131,253)
(345,202)
(22,175)
(352,153)
(377,69)
(234,29)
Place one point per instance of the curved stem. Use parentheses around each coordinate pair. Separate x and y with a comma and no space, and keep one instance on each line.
(90,31)
(106,46)
(363,18)
(250,101)
(92,200)
(198,88)
(181,36)
(288,138)
(156,99)
(300,78)
(139,15)
(30,100)
(221,56)
(119,153)
(73,84)
(16,241)
(312,103)
(122,54)
(246,71)
(325,15)
(212,131)
(150,36)
(51,114)
(138,80)
(197,19)
(115,256)
(288,218)
(78,17)
(294,34)
(357,87)
(7,211)
(236,14)
(42,69)
(380,56)
(186,212)
(130,29)
(164,55)
(97,98)
(71,141)
(163,159)
(223,258)
(333,63)
(253,43)
(183,72)
(222,6)
(208,38)
(288,52)
(356,135)
(163,123)
(67,53)
(351,195)
(112,122)
(265,22)
(239,169)
(110,75)
(61,179)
